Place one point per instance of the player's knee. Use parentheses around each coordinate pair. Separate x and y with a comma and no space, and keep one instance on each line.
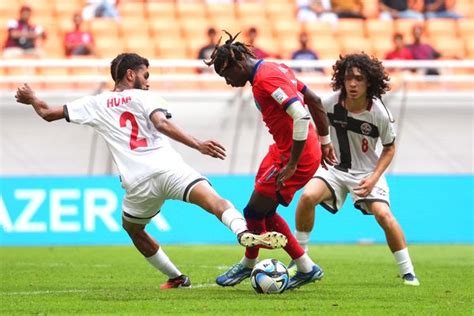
(132,230)
(309,200)
(385,218)
(250,212)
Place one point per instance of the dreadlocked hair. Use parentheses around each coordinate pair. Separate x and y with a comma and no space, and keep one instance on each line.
(229,53)
(370,67)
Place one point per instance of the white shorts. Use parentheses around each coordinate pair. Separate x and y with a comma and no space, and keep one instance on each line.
(341,183)
(144,201)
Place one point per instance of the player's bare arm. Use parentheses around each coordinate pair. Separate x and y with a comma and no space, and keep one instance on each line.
(26,95)
(367,184)
(209,147)
(320,118)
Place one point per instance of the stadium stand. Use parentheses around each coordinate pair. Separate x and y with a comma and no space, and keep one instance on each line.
(175,29)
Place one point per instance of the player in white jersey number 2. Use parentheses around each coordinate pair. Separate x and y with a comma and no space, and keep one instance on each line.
(358,119)
(136,125)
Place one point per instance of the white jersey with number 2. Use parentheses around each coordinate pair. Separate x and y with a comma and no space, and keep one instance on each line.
(123,120)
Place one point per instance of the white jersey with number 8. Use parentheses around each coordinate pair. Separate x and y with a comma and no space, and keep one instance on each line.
(123,120)
(355,135)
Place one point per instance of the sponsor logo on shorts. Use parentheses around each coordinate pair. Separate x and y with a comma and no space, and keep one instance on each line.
(381,192)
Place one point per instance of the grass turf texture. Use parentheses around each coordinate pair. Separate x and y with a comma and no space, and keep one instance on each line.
(359,279)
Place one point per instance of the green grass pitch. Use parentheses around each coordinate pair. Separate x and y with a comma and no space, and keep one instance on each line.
(359,280)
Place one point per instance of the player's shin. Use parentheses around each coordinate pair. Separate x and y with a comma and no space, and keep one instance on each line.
(277,223)
(163,264)
(234,220)
(303,239)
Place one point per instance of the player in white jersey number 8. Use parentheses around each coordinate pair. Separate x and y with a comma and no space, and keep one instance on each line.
(136,126)
(358,118)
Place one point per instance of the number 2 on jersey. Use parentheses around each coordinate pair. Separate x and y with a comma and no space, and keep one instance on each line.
(135,142)
(365,145)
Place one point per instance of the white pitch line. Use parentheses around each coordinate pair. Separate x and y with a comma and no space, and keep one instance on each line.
(41,292)
(204,285)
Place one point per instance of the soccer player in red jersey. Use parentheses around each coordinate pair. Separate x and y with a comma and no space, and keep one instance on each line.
(290,162)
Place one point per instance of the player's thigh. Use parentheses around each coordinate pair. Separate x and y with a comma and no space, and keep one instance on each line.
(316,191)
(262,204)
(379,208)
(379,196)
(143,202)
(204,195)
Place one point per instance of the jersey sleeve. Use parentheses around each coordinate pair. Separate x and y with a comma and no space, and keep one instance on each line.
(280,89)
(386,128)
(152,103)
(331,100)
(81,111)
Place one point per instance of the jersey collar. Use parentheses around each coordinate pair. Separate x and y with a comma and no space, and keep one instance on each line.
(254,70)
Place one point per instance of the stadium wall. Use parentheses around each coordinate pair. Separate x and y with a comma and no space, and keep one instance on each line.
(86,211)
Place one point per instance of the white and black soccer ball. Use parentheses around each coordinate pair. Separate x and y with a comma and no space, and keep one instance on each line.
(269,276)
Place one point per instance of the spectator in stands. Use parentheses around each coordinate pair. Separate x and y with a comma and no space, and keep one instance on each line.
(422,51)
(78,42)
(305,53)
(316,10)
(252,35)
(22,36)
(439,9)
(100,8)
(399,9)
(206,51)
(400,51)
(351,9)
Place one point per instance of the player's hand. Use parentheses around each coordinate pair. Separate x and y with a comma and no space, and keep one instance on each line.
(212,148)
(285,173)
(365,186)
(25,94)
(328,156)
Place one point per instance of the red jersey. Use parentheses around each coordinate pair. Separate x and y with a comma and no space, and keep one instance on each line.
(274,88)
(404,54)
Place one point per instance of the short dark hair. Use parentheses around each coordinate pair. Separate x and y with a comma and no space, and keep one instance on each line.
(124,61)
(370,67)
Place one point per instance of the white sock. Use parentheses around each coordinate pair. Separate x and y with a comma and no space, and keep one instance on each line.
(404,262)
(304,263)
(247,262)
(234,220)
(161,262)
(303,239)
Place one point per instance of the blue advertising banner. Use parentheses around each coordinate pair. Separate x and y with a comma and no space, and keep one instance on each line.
(87,210)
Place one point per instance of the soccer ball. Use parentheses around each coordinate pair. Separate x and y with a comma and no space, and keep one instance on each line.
(269,276)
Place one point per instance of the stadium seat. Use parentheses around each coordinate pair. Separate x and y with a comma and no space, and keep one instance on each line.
(326,46)
(469,48)
(317,28)
(55,71)
(131,9)
(220,11)
(287,29)
(449,47)
(381,45)
(141,45)
(104,27)
(350,27)
(441,27)
(172,48)
(230,25)
(370,9)
(186,10)
(405,26)
(194,27)
(168,27)
(465,27)
(465,7)
(158,10)
(250,11)
(379,28)
(109,47)
(67,8)
(283,11)
(351,44)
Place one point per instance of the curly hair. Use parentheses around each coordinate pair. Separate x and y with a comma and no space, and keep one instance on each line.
(229,53)
(370,67)
(124,61)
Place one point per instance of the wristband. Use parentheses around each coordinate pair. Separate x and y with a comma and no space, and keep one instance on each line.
(324,140)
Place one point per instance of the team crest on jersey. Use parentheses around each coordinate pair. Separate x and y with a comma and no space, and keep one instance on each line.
(365,128)
(279,95)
